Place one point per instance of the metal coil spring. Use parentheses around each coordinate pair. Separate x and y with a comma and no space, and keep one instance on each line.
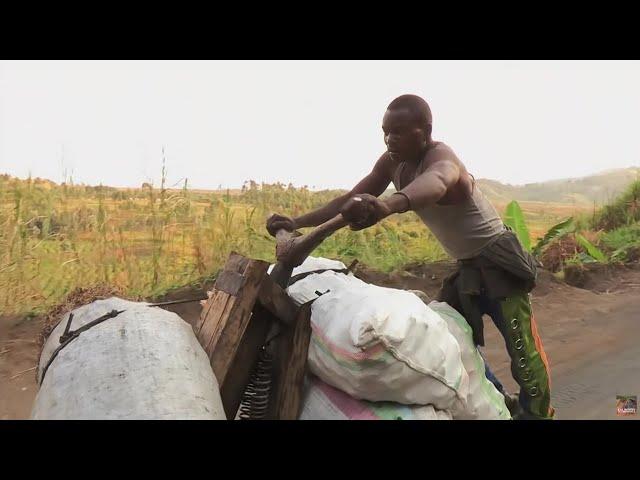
(255,400)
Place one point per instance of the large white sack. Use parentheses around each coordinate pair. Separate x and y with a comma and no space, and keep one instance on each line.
(381,344)
(311,264)
(146,363)
(324,402)
(484,401)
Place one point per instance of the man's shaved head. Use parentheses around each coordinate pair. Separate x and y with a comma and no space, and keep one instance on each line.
(418,108)
(407,128)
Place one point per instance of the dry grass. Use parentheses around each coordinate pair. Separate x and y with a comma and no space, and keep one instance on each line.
(55,239)
(558,252)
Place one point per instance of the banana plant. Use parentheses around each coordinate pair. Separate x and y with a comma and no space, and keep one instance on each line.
(514,219)
(593,251)
(557,231)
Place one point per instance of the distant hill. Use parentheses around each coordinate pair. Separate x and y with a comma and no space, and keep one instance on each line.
(600,188)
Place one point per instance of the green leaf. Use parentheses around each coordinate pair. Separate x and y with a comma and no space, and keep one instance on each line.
(620,254)
(557,231)
(593,251)
(584,258)
(514,219)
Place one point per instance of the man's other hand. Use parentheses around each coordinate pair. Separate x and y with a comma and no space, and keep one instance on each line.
(276,221)
(364,210)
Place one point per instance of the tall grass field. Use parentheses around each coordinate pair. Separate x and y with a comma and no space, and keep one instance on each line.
(146,241)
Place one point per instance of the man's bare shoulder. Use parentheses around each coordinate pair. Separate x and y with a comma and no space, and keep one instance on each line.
(443,153)
(443,150)
(446,162)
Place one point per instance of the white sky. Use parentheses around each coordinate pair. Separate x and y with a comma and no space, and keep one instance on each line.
(314,123)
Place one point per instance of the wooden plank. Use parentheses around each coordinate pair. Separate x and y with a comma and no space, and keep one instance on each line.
(224,304)
(229,333)
(245,360)
(236,263)
(291,362)
(276,300)
(214,321)
(205,311)
(211,337)
(229,282)
(234,321)
(291,385)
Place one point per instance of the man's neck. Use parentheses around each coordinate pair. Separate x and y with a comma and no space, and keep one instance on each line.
(420,156)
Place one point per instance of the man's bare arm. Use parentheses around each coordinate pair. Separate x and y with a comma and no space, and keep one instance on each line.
(426,189)
(431,185)
(375,184)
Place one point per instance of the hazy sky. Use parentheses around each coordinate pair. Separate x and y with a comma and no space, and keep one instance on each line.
(315,123)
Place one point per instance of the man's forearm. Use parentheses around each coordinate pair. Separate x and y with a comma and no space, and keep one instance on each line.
(322,214)
(398,203)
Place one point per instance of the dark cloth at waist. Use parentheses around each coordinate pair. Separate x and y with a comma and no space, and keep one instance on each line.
(502,269)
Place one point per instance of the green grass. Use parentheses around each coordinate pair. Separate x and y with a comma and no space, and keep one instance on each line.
(622,241)
(621,237)
(623,211)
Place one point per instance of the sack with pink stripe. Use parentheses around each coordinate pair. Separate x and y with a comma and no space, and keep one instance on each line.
(321,401)
(381,344)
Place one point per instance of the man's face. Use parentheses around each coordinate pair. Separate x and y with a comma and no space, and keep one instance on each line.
(404,139)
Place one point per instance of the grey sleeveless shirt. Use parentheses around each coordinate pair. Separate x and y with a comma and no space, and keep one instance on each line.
(463,229)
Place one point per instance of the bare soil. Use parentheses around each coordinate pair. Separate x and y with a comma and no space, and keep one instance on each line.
(589,324)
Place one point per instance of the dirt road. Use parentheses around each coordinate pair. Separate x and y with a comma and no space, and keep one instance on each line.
(591,336)
(594,356)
